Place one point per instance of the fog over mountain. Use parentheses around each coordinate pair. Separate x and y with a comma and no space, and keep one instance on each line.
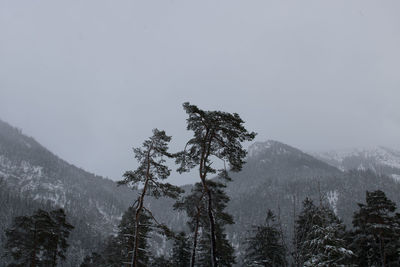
(90,79)
(277,176)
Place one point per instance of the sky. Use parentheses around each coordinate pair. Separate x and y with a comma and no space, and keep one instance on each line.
(91,79)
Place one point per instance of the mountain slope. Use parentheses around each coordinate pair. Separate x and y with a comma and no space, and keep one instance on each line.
(276,176)
(30,170)
(381,160)
(279,177)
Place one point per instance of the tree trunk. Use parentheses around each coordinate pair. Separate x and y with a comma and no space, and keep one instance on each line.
(139,210)
(33,255)
(203,174)
(196,232)
(383,254)
(55,254)
(212,231)
(136,244)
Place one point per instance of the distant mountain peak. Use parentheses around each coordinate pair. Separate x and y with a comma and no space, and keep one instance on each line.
(270,147)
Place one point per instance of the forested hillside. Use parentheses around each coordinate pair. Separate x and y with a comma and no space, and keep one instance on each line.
(33,177)
(276,177)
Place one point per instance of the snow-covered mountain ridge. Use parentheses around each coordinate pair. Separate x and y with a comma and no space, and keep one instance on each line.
(276,176)
(381,160)
(30,169)
(270,146)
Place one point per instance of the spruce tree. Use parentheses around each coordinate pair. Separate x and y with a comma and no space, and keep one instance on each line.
(264,246)
(320,237)
(151,174)
(217,135)
(304,224)
(38,240)
(325,244)
(181,250)
(376,231)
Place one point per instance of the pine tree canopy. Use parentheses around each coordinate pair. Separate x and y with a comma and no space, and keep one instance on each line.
(152,169)
(216,135)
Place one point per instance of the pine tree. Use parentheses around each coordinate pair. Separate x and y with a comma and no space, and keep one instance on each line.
(127,234)
(216,134)
(181,251)
(225,252)
(117,251)
(38,240)
(195,206)
(264,246)
(377,232)
(150,173)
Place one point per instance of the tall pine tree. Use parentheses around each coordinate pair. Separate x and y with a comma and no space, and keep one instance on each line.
(217,135)
(151,174)
(117,251)
(195,205)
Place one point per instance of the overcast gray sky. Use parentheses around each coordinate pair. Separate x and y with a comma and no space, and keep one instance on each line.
(90,79)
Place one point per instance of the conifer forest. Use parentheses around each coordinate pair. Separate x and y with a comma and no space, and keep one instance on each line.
(305,230)
(212,133)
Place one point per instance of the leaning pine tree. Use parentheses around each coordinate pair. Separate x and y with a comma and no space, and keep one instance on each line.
(218,135)
(150,174)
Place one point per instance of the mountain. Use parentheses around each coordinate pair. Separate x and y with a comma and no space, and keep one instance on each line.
(379,159)
(34,175)
(276,176)
(279,177)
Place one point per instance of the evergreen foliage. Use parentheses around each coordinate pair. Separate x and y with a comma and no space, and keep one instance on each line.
(325,244)
(161,261)
(181,250)
(215,134)
(320,238)
(376,232)
(118,250)
(150,173)
(38,240)
(195,205)
(264,246)
(31,178)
